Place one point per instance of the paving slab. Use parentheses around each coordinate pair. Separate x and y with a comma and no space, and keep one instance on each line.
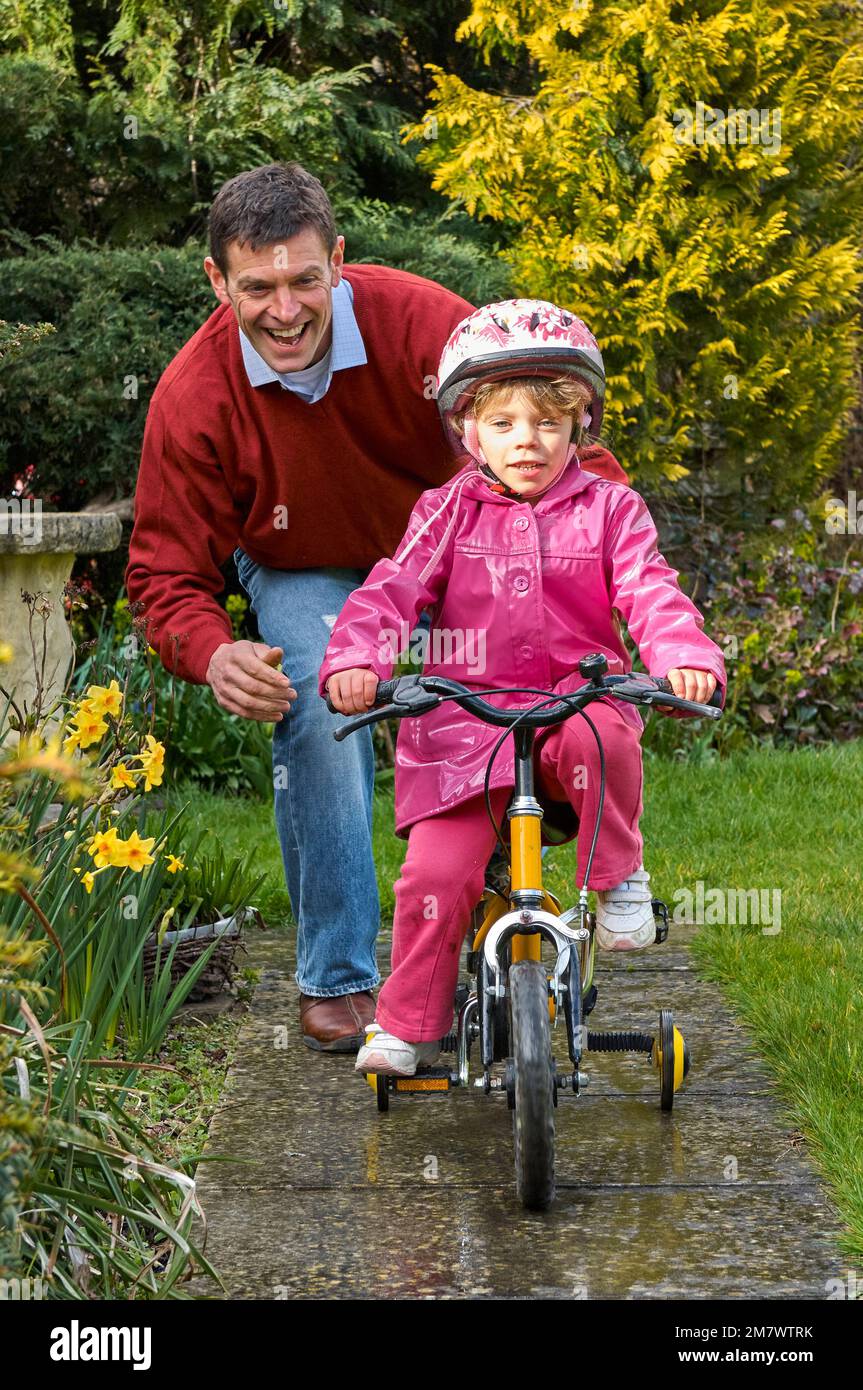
(309,1192)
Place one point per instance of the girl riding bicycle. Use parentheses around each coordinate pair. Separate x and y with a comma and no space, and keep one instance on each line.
(527,561)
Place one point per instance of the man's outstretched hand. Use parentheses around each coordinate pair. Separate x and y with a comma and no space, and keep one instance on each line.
(246,678)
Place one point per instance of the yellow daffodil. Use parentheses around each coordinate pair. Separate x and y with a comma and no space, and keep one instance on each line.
(155,750)
(28,744)
(152,763)
(48,759)
(102,700)
(174,864)
(76,789)
(87,878)
(122,777)
(153,776)
(134,853)
(90,727)
(103,847)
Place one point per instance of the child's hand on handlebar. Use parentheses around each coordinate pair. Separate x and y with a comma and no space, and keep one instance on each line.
(353,691)
(689,684)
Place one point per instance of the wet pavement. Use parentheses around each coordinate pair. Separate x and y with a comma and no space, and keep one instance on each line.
(309,1192)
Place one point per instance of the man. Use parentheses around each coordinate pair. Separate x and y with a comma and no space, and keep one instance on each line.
(295,429)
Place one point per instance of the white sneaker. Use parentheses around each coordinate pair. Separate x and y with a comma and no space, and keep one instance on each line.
(624,915)
(389,1056)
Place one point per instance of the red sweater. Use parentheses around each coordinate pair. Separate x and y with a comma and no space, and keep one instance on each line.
(226,464)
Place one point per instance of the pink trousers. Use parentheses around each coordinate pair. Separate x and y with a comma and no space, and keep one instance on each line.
(443,875)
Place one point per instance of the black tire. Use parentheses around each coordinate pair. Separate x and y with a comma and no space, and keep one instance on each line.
(666,1043)
(533,1118)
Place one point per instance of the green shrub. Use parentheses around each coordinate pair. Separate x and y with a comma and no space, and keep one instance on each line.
(719,268)
(88,1206)
(790,622)
(73,405)
(42,114)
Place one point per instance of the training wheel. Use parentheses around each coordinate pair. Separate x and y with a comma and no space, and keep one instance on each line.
(382,1091)
(671,1058)
(378,1084)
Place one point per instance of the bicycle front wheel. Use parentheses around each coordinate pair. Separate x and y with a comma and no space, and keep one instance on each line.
(533,1117)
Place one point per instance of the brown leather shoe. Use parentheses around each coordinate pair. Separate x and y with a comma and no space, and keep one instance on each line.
(336,1023)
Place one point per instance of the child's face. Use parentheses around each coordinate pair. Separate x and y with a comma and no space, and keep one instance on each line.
(525,447)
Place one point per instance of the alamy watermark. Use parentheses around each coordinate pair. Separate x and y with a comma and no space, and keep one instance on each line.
(77,1343)
(442,646)
(730,907)
(22,1290)
(21,516)
(844,516)
(710,125)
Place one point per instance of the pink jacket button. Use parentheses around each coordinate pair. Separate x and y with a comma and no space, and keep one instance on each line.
(521,582)
(521,523)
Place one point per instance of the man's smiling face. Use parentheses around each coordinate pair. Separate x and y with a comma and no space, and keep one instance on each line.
(282,296)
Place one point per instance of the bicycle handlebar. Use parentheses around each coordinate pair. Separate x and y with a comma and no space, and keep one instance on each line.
(415,695)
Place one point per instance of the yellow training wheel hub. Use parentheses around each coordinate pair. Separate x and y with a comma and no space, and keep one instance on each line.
(680,1067)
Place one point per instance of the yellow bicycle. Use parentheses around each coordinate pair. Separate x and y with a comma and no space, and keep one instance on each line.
(517,997)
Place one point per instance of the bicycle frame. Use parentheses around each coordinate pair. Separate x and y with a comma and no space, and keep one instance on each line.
(533,914)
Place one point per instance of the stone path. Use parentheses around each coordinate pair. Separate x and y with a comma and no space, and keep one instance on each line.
(322,1197)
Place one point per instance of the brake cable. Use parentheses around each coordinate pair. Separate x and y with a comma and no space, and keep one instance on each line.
(498,830)
(549,699)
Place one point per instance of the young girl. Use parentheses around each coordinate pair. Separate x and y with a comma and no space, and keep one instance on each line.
(527,561)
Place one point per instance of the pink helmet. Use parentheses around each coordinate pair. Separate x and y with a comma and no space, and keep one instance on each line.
(518,337)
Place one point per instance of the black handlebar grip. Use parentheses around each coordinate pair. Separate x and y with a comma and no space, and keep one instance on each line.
(665,684)
(385,691)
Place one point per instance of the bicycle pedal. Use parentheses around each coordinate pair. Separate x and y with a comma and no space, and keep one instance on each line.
(660,910)
(429,1079)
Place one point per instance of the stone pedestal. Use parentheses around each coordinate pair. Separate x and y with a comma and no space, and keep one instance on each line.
(36,555)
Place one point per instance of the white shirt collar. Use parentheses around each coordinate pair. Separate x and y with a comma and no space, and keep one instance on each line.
(347,349)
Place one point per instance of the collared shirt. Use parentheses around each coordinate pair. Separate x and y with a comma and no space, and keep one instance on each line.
(346,350)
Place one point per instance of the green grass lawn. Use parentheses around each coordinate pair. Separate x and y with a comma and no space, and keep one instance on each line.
(767,820)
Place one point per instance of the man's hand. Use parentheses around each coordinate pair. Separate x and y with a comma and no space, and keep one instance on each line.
(692,685)
(244,681)
(353,691)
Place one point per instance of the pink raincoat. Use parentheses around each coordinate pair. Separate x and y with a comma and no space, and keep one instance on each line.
(518,594)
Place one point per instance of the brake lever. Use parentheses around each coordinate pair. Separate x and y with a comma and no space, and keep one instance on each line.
(677,702)
(358,721)
(638,692)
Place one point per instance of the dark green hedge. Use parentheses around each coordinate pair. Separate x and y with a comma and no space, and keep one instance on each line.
(68,404)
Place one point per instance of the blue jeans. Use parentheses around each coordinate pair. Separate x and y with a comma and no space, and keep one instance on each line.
(323,790)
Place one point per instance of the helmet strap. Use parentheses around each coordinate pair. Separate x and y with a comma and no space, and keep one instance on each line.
(471,437)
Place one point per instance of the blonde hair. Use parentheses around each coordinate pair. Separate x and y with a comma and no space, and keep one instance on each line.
(564,395)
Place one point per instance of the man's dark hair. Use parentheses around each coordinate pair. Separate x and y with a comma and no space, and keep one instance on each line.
(267,205)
